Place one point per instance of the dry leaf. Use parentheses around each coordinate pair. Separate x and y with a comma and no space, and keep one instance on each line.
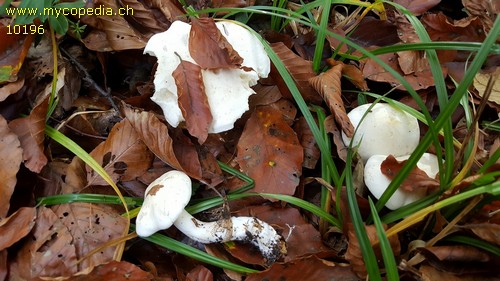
(192,99)
(200,273)
(416,181)
(144,16)
(417,7)
(11,156)
(485,10)
(301,71)
(270,153)
(122,155)
(328,85)
(310,268)
(13,50)
(157,138)
(208,48)
(480,82)
(10,88)
(115,270)
(16,226)
(308,142)
(31,133)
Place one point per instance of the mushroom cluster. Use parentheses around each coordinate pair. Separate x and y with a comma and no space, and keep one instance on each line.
(384,131)
(164,202)
(227,90)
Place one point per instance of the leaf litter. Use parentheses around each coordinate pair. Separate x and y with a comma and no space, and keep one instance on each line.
(271,143)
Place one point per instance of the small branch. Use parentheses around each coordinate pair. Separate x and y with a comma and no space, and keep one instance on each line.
(87,78)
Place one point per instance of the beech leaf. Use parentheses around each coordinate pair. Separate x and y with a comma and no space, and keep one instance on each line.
(16,226)
(192,99)
(157,138)
(270,153)
(11,156)
(31,133)
(416,180)
(328,85)
(123,155)
(208,48)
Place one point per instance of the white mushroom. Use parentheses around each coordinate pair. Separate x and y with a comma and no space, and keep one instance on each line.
(164,202)
(227,90)
(384,130)
(377,182)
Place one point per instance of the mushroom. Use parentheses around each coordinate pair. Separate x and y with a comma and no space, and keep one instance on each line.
(384,130)
(377,182)
(227,90)
(164,202)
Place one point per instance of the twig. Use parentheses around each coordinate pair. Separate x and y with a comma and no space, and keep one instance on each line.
(87,78)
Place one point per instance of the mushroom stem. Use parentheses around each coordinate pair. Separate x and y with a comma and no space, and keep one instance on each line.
(246,229)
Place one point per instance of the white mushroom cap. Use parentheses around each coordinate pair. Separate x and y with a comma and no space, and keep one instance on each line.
(163,203)
(377,182)
(385,130)
(227,90)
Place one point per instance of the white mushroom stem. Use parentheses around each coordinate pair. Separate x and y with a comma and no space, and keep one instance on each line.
(247,229)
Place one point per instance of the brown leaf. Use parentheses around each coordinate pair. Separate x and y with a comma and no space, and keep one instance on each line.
(11,156)
(145,17)
(485,10)
(270,153)
(418,80)
(328,85)
(4,270)
(31,133)
(13,49)
(308,142)
(192,99)
(200,273)
(10,88)
(416,179)
(123,155)
(418,7)
(487,231)
(301,71)
(208,48)
(310,268)
(353,254)
(120,35)
(331,127)
(429,273)
(115,270)
(171,9)
(48,235)
(16,226)
(157,138)
(351,73)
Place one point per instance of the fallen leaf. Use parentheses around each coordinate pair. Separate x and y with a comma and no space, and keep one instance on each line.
(485,10)
(192,99)
(4,269)
(122,155)
(308,142)
(328,85)
(13,50)
(10,88)
(331,127)
(115,270)
(209,48)
(481,81)
(157,138)
(417,7)
(374,32)
(11,156)
(351,73)
(200,273)
(119,34)
(270,153)
(310,268)
(417,179)
(353,254)
(16,226)
(301,71)
(31,133)
(144,16)
(429,273)
(171,9)
(460,259)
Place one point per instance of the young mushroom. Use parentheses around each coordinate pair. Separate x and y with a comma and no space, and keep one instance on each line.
(227,90)
(385,130)
(164,202)
(377,182)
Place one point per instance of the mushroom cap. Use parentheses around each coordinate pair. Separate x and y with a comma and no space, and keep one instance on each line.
(227,90)
(164,200)
(385,131)
(377,182)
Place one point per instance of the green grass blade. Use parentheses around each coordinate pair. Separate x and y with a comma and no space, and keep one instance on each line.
(385,246)
(475,243)
(88,198)
(194,253)
(321,35)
